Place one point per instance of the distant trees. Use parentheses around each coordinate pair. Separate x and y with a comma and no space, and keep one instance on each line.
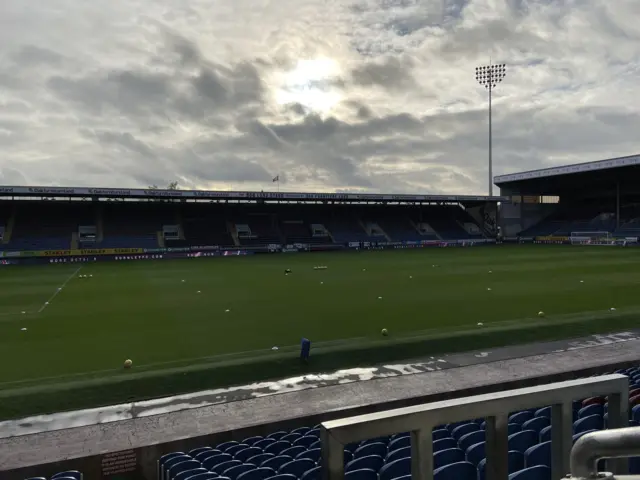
(171,186)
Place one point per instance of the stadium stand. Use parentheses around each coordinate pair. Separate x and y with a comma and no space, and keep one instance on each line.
(58,225)
(132,224)
(599,196)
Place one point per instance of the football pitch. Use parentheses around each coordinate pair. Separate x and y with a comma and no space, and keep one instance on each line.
(68,328)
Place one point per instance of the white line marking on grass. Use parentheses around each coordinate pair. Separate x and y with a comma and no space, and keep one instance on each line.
(46,304)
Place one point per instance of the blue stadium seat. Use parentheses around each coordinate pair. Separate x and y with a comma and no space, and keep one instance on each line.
(475,453)
(313,455)
(251,441)
(543,412)
(211,462)
(164,459)
(36,478)
(181,467)
(377,448)
(545,434)
(513,428)
(400,442)
(265,442)
(258,460)
(397,468)
(297,467)
(207,476)
(521,441)
(305,441)
(74,474)
(276,435)
(170,462)
(538,455)
(456,471)
(313,474)
(444,444)
(362,474)
(520,417)
(224,446)
(471,439)
(446,457)
(237,470)
(372,462)
(202,456)
(276,462)
(592,422)
(277,447)
(193,453)
(398,454)
(283,477)
(532,473)
(515,462)
(291,437)
(593,409)
(440,434)
(536,424)
(462,430)
(256,474)
(190,473)
(234,449)
(224,466)
(302,430)
(247,453)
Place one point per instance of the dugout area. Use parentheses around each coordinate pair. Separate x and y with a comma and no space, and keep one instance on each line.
(600,196)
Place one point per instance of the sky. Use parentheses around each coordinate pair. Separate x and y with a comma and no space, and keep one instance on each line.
(330,95)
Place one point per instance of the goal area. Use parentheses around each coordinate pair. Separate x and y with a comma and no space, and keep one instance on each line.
(594,238)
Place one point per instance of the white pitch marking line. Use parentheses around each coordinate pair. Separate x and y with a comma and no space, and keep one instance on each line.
(45,304)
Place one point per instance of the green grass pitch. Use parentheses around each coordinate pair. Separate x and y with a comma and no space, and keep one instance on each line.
(173,314)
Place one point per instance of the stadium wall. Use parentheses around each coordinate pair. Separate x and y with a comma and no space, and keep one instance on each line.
(129,449)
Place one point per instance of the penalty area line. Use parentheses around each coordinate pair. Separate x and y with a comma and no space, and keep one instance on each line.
(45,304)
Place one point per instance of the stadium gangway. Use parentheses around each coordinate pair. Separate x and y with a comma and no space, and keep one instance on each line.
(591,447)
(495,408)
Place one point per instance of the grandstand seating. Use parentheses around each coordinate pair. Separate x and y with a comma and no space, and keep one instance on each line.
(204,225)
(458,449)
(47,225)
(51,225)
(133,225)
(264,229)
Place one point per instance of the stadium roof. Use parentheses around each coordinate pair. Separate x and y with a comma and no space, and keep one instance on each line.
(554,180)
(87,192)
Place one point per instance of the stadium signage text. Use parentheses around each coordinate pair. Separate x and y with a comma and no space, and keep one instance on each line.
(157,193)
(79,252)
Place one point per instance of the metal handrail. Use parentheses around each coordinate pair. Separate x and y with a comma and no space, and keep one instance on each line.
(495,408)
(617,443)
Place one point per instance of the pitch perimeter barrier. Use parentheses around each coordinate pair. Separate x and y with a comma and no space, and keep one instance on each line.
(420,420)
(90,255)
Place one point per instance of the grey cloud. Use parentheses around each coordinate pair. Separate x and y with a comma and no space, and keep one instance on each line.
(194,94)
(392,73)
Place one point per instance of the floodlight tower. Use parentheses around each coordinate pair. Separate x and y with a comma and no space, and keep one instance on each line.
(490,76)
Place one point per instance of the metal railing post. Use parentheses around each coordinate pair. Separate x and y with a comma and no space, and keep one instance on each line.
(332,456)
(561,438)
(422,454)
(496,449)
(618,417)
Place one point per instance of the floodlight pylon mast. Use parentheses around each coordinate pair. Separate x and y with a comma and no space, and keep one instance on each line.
(490,76)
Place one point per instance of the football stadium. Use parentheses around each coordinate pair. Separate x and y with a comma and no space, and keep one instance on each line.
(188,334)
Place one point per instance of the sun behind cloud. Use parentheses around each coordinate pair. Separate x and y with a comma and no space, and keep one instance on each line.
(311,83)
